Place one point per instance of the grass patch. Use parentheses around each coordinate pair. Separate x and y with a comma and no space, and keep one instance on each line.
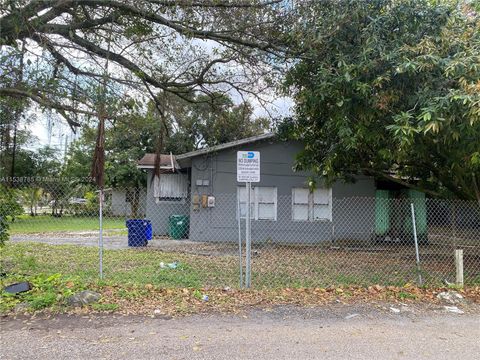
(26,224)
(402,295)
(126,266)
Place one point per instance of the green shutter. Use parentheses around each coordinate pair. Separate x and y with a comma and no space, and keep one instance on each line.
(382,211)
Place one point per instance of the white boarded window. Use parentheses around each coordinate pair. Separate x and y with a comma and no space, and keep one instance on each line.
(263,202)
(266,203)
(311,205)
(300,205)
(242,199)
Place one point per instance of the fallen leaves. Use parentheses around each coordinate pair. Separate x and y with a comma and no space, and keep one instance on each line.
(184,301)
(154,301)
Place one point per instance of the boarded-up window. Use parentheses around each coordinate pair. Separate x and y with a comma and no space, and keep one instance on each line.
(242,199)
(300,204)
(311,205)
(171,187)
(266,203)
(263,202)
(322,204)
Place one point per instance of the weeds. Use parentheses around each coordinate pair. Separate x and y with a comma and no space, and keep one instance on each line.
(47,291)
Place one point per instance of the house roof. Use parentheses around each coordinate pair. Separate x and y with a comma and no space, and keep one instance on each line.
(167,162)
(225,146)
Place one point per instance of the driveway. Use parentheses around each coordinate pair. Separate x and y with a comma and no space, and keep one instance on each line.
(115,240)
(338,332)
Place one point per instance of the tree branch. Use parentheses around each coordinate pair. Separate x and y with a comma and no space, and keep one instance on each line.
(44,101)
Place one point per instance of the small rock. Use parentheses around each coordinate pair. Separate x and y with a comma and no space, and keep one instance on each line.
(394,310)
(351,316)
(451,297)
(454,309)
(157,312)
(84,297)
(227,288)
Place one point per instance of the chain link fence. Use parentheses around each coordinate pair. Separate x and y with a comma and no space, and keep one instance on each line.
(199,241)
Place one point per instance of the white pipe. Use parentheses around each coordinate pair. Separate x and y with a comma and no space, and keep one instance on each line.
(248,239)
(420,281)
(240,257)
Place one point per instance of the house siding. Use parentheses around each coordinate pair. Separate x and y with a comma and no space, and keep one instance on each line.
(121,207)
(159,213)
(220,223)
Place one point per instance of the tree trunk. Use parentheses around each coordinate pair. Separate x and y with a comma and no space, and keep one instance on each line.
(14,148)
(135,203)
(17,113)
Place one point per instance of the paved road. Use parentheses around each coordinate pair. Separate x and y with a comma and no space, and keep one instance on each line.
(282,333)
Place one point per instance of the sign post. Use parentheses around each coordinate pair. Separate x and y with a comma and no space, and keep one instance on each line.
(248,238)
(248,171)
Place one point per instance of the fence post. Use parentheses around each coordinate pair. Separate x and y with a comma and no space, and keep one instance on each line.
(420,281)
(100,234)
(459,266)
(240,257)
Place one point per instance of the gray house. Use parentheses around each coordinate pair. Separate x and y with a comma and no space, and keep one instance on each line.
(202,184)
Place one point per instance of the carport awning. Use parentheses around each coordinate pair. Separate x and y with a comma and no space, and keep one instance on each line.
(168,163)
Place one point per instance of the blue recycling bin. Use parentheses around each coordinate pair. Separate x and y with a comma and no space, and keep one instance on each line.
(139,232)
(148,230)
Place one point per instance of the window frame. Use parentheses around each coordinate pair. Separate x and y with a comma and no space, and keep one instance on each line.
(255,214)
(172,200)
(311,205)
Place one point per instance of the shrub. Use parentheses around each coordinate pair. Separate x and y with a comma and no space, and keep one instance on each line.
(9,208)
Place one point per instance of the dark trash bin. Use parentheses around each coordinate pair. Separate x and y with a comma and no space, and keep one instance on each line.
(178,226)
(139,232)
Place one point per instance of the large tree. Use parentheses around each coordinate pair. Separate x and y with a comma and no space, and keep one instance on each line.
(151,47)
(210,121)
(191,126)
(390,88)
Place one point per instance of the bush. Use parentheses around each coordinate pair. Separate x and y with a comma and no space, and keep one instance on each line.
(92,205)
(9,208)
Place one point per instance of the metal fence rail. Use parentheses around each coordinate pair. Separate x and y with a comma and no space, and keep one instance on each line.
(200,242)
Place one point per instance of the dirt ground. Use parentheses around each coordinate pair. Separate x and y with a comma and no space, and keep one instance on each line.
(283,332)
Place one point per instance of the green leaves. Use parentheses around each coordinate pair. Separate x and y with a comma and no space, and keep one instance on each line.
(390,87)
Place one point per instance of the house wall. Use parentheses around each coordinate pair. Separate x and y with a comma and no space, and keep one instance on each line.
(159,213)
(351,218)
(119,205)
